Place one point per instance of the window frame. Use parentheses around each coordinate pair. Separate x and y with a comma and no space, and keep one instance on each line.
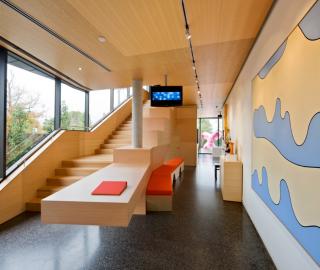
(86,107)
(111,110)
(43,68)
(35,147)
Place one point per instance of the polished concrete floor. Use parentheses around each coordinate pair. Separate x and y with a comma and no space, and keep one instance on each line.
(202,232)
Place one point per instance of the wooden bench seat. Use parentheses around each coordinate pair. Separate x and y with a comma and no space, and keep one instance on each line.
(167,170)
(159,190)
(178,165)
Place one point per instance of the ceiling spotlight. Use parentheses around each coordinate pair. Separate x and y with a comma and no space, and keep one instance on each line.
(199,92)
(194,67)
(197,81)
(102,39)
(79,68)
(188,35)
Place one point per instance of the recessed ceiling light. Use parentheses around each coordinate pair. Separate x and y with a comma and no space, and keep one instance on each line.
(102,39)
(79,68)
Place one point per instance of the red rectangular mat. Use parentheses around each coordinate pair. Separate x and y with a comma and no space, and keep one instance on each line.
(110,188)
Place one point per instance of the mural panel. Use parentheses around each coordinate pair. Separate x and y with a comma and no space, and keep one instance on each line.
(286,139)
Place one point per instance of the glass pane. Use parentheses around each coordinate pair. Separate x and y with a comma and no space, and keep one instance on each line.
(123,94)
(72,108)
(209,135)
(99,105)
(30,108)
(130,91)
(116,98)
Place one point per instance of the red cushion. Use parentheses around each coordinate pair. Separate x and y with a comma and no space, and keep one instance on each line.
(159,184)
(175,162)
(164,169)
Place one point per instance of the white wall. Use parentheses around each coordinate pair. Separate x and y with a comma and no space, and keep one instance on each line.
(283,248)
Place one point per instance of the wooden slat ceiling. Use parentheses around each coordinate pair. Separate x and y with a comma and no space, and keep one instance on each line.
(145,39)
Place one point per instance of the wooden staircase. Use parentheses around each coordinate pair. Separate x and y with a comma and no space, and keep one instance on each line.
(74,169)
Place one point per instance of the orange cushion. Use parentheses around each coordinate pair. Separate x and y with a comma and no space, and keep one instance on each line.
(175,162)
(164,169)
(159,185)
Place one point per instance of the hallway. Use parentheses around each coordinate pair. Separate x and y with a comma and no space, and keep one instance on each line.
(202,232)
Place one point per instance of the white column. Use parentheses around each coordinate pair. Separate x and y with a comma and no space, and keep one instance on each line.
(137,113)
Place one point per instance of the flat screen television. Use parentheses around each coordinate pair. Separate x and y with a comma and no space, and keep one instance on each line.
(166,96)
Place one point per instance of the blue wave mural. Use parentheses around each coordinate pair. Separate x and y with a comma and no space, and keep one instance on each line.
(273,60)
(279,133)
(310,23)
(307,236)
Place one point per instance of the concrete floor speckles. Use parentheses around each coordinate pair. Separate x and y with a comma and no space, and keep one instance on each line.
(202,232)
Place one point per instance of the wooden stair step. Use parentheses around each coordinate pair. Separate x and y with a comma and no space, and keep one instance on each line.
(62,180)
(128,133)
(119,141)
(46,191)
(86,163)
(76,171)
(120,136)
(124,129)
(34,205)
(104,151)
(113,145)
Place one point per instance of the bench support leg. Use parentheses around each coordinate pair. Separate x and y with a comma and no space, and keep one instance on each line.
(141,206)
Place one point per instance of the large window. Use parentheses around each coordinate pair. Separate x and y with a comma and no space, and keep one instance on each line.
(119,96)
(99,105)
(123,92)
(116,98)
(36,103)
(30,108)
(72,108)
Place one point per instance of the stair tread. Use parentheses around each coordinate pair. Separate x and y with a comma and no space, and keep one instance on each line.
(35,200)
(116,143)
(94,158)
(50,188)
(65,177)
(79,168)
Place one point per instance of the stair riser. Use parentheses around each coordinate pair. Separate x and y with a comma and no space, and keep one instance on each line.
(123,133)
(60,182)
(112,146)
(70,163)
(104,151)
(119,141)
(124,129)
(76,171)
(44,193)
(120,136)
(33,207)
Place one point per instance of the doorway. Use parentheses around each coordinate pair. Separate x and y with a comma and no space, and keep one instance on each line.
(210,134)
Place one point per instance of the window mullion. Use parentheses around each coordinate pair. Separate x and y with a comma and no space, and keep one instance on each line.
(57,105)
(3,111)
(86,112)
